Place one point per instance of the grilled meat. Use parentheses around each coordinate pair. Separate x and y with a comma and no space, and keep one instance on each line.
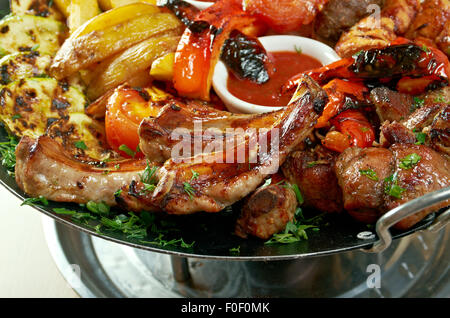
(430,173)
(189,122)
(217,182)
(391,105)
(430,21)
(376,180)
(361,174)
(266,212)
(338,16)
(371,32)
(439,131)
(313,172)
(45,168)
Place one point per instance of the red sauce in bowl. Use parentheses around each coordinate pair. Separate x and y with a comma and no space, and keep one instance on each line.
(286,64)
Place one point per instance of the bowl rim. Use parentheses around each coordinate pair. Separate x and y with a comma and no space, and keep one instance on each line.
(272,43)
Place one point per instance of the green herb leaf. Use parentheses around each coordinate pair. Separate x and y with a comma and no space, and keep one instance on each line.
(127,150)
(420,137)
(16,116)
(189,190)
(35,201)
(298,194)
(100,208)
(298,49)
(80,145)
(369,173)
(392,188)
(195,175)
(409,161)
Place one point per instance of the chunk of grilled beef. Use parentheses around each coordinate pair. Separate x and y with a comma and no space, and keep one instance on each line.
(430,173)
(361,174)
(313,172)
(377,180)
(266,212)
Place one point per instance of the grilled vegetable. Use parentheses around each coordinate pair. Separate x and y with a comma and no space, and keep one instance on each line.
(113,34)
(17,66)
(162,68)
(34,106)
(19,33)
(80,11)
(246,57)
(201,44)
(63,6)
(111,4)
(127,64)
(40,8)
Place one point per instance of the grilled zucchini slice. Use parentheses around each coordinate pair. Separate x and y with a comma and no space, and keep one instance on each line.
(37,106)
(17,66)
(22,33)
(41,8)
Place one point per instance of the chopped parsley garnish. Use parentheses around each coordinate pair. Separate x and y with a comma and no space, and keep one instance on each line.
(162,242)
(298,194)
(189,190)
(35,47)
(235,250)
(35,201)
(98,208)
(148,176)
(418,103)
(298,49)
(117,167)
(420,137)
(425,48)
(369,173)
(195,175)
(8,154)
(294,232)
(16,116)
(440,99)
(409,161)
(392,188)
(127,150)
(80,145)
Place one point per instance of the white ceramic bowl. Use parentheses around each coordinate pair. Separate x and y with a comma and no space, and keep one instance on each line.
(200,4)
(274,43)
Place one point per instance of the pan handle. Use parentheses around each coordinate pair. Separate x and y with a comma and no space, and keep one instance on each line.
(405,210)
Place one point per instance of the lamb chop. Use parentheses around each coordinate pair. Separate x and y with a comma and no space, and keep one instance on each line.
(189,122)
(45,168)
(207,182)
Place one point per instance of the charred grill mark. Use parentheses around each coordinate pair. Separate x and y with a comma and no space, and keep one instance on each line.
(5,78)
(50,121)
(60,104)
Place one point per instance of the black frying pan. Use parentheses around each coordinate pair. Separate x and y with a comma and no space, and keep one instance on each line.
(213,233)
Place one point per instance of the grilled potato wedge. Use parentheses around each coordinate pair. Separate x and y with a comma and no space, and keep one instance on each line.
(14,67)
(19,33)
(81,50)
(81,11)
(111,4)
(124,66)
(37,106)
(63,6)
(40,8)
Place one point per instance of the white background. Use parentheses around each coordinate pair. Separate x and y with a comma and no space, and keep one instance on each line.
(26,266)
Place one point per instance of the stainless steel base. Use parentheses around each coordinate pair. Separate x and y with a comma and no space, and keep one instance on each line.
(415,266)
